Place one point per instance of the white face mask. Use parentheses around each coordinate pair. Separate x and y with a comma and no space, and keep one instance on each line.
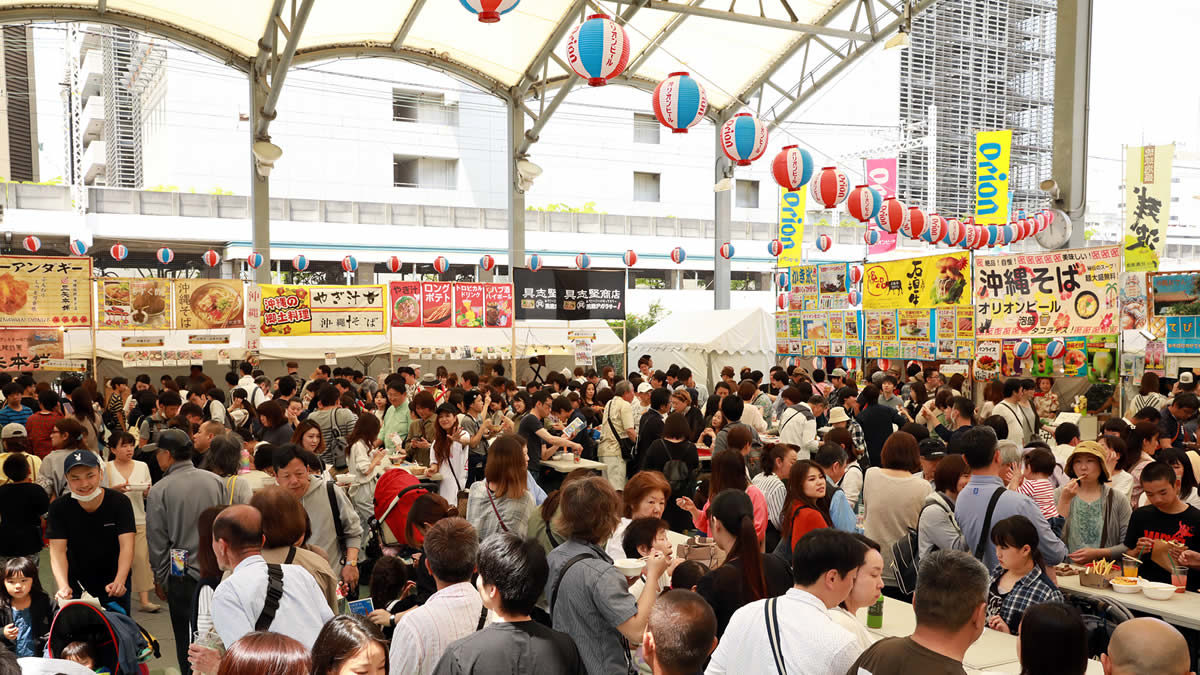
(88,497)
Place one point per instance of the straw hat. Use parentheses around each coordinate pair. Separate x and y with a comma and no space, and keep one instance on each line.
(1088,448)
(838,414)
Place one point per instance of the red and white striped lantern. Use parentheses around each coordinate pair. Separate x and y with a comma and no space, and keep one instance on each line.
(856,274)
(774,248)
(726,250)
(598,50)
(630,258)
(981,237)
(679,102)
(118,251)
(440,264)
(393,264)
(349,264)
(863,203)
(955,232)
(300,263)
(935,229)
(490,11)
(829,187)
(872,236)
(917,222)
(678,255)
(32,244)
(254,260)
(743,139)
(892,215)
(884,364)
(583,261)
(782,301)
(164,255)
(854,297)
(211,258)
(792,168)
(824,242)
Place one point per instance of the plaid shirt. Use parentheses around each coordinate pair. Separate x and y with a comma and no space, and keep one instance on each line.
(1031,589)
(857,435)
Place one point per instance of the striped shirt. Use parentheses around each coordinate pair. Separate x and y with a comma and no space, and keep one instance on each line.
(425,632)
(9,415)
(1042,493)
(775,493)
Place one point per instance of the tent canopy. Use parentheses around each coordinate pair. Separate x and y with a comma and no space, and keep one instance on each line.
(707,341)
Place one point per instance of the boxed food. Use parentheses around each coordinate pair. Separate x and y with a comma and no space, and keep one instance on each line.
(1099,575)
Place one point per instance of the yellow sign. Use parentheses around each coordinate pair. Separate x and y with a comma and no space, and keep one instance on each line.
(918,283)
(1147,205)
(993,154)
(208,303)
(134,304)
(323,310)
(45,292)
(791,226)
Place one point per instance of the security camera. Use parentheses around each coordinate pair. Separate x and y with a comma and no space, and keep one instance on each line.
(266,154)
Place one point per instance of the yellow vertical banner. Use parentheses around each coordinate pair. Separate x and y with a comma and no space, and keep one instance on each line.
(791,226)
(993,155)
(1147,204)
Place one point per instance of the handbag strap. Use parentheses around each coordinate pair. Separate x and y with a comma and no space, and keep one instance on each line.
(562,573)
(771,614)
(274,595)
(611,426)
(482,618)
(987,523)
(230,482)
(495,510)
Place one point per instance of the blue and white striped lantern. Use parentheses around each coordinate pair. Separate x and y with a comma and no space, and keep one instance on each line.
(679,102)
(744,139)
(863,203)
(1023,349)
(211,258)
(118,251)
(783,280)
(165,256)
(487,263)
(534,262)
(871,236)
(854,298)
(440,264)
(818,363)
(774,248)
(1056,348)
(489,11)
(300,263)
(598,50)
(993,235)
(726,250)
(583,261)
(792,168)
(678,255)
(254,260)
(78,247)
(349,264)
(630,258)
(32,244)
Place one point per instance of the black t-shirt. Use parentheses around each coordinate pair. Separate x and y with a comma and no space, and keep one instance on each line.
(657,456)
(92,538)
(21,508)
(1183,527)
(505,648)
(725,590)
(528,429)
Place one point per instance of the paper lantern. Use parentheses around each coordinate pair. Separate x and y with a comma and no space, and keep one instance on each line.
(782,301)
(349,263)
(774,248)
(850,363)
(915,227)
(300,263)
(630,258)
(1008,233)
(32,244)
(856,273)
(118,251)
(534,262)
(393,264)
(829,187)
(440,264)
(254,260)
(792,168)
(164,255)
(863,203)
(893,215)
(981,237)
(744,138)
(872,236)
(726,251)
(824,242)
(854,298)
(583,261)
(1023,349)
(935,229)
(818,362)
(489,11)
(211,258)
(955,232)
(1042,219)
(78,247)
(783,280)
(884,364)
(679,102)
(598,50)
(1056,348)
(678,255)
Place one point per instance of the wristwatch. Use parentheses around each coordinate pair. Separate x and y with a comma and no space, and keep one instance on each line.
(352,563)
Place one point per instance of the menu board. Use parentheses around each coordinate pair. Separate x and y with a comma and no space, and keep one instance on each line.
(437,303)
(569,295)
(1071,292)
(322,310)
(833,280)
(498,305)
(406,303)
(209,303)
(805,290)
(918,283)
(1175,305)
(133,304)
(26,349)
(45,292)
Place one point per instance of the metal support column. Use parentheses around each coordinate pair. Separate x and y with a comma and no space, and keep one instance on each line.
(260,186)
(1072,63)
(722,217)
(516,196)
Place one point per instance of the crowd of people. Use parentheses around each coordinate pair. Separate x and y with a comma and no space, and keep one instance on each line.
(249,509)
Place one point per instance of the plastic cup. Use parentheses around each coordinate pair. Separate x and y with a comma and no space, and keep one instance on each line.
(1129,568)
(1179,578)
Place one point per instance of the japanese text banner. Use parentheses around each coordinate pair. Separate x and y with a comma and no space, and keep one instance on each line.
(208,303)
(1147,204)
(791,225)
(45,292)
(1071,292)
(322,310)
(24,350)
(918,283)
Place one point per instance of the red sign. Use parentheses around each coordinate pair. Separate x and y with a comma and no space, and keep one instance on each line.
(436,303)
(468,305)
(498,305)
(406,303)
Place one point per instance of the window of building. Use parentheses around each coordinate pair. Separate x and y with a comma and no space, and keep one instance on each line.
(645,187)
(432,173)
(423,106)
(747,194)
(645,128)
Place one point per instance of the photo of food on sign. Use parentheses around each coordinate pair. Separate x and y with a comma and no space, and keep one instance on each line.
(832,278)
(950,283)
(133,303)
(14,293)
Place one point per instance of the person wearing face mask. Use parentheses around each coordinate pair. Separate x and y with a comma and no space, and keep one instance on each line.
(91,535)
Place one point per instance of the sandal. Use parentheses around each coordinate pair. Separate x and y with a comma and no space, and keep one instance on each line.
(149,608)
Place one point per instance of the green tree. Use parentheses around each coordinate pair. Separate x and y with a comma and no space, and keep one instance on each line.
(636,324)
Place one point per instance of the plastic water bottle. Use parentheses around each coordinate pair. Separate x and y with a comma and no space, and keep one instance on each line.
(861,515)
(875,615)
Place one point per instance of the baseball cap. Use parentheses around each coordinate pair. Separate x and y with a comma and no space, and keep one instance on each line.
(1186,377)
(838,372)
(644,387)
(81,458)
(173,440)
(13,430)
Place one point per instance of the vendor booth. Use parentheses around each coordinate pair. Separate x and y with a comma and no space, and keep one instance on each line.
(705,342)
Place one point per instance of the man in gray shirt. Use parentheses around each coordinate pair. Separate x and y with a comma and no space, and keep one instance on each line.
(173,508)
(887,393)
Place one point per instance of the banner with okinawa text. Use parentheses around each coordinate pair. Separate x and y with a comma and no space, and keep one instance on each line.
(1070,292)
(993,156)
(1147,205)
(45,292)
(791,226)
(323,310)
(918,283)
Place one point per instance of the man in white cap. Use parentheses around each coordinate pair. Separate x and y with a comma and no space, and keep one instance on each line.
(835,379)
(641,402)
(16,441)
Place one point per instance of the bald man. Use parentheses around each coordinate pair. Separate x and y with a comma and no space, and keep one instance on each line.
(1146,646)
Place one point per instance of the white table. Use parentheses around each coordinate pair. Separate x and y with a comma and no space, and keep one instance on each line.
(568,464)
(992,650)
(1014,668)
(1183,609)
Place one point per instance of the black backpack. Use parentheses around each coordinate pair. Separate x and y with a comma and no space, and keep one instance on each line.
(680,476)
(906,554)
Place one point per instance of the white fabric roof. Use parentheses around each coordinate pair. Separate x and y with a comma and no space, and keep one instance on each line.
(444,33)
(727,331)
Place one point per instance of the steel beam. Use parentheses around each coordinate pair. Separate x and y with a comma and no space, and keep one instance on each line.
(413,14)
(420,57)
(516,197)
(809,28)
(530,137)
(659,38)
(1072,75)
(283,61)
(548,47)
(802,42)
(722,219)
(260,187)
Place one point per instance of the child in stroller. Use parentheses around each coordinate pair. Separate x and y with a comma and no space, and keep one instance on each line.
(110,640)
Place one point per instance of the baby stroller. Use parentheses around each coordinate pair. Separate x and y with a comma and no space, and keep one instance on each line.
(394,496)
(120,644)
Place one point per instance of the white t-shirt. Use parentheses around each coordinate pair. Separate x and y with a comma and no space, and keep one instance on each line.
(139,477)
(846,620)
(454,467)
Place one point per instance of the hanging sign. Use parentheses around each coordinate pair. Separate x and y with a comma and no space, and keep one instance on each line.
(805,289)
(30,349)
(253,317)
(918,283)
(45,292)
(1071,292)
(881,175)
(322,310)
(1147,205)
(208,303)
(436,304)
(791,225)
(993,154)
(569,295)
(132,304)
(1175,307)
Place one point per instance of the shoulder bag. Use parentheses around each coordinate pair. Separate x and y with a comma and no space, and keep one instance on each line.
(495,510)
(981,546)
(625,443)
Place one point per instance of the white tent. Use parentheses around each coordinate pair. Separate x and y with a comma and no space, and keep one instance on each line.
(707,341)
